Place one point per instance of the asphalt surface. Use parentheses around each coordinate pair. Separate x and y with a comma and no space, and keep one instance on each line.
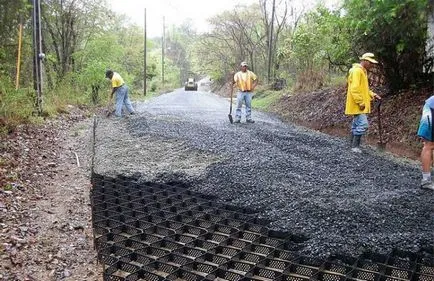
(307,183)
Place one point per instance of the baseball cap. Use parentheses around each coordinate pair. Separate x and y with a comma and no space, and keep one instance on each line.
(369,57)
(244,64)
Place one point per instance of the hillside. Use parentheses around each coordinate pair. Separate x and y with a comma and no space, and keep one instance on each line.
(324,111)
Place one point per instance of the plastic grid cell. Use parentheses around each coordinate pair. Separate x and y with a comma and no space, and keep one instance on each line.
(182,219)
(213,218)
(120,271)
(146,238)
(185,275)
(247,257)
(246,236)
(263,274)
(108,239)
(131,244)
(237,266)
(175,259)
(170,224)
(304,266)
(136,259)
(202,244)
(425,268)
(159,231)
(235,243)
(181,239)
(337,267)
(283,255)
(259,249)
(192,214)
(224,251)
(107,223)
(203,223)
(152,252)
(126,230)
(422,277)
(159,268)
(113,251)
(167,244)
(189,252)
(238,224)
(191,230)
(143,275)
(274,264)
(214,237)
(330,276)
(268,241)
(212,259)
(224,275)
(200,268)
(359,274)
(223,229)
(397,273)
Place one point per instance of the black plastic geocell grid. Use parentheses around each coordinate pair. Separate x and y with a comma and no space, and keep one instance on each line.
(150,231)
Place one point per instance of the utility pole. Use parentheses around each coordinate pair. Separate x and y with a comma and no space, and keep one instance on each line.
(163,45)
(38,56)
(144,59)
(270,42)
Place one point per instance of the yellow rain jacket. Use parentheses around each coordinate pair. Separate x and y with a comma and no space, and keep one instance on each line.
(358,92)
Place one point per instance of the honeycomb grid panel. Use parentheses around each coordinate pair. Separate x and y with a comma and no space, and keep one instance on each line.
(154,231)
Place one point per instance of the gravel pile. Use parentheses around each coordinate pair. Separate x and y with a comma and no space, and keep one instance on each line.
(305,182)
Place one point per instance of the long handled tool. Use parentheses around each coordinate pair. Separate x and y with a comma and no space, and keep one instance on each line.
(109,110)
(381,144)
(230,107)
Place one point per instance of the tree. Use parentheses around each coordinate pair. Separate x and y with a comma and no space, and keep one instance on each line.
(396,31)
(68,24)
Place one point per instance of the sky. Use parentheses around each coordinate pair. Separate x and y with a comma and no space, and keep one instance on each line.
(175,12)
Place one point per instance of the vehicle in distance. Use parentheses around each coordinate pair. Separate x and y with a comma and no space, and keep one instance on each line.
(190,85)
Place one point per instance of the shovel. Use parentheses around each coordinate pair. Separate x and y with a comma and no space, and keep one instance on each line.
(109,109)
(230,107)
(381,145)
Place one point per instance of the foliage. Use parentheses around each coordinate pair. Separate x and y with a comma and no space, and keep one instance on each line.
(318,45)
(396,31)
(235,36)
(264,99)
(16,106)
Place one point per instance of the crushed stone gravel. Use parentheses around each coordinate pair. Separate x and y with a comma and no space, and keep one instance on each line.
(305,182)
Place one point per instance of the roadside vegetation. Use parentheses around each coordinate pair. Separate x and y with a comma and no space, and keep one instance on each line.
(301,50)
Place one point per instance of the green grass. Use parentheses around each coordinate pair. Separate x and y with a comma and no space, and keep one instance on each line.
(264,99)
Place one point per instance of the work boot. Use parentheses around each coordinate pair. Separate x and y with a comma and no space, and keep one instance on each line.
(237,121)
(250,121)
(356,144)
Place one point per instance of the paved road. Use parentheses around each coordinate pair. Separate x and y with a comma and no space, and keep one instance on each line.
(304,182)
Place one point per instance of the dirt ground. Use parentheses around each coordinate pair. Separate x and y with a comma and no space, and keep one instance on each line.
(323,110)
(45,226)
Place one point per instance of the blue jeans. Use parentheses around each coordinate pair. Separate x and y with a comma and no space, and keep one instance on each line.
(121,99)
(360,125)
(247,98)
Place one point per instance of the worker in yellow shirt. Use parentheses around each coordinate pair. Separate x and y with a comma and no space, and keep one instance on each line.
(246,82)
(121,90)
